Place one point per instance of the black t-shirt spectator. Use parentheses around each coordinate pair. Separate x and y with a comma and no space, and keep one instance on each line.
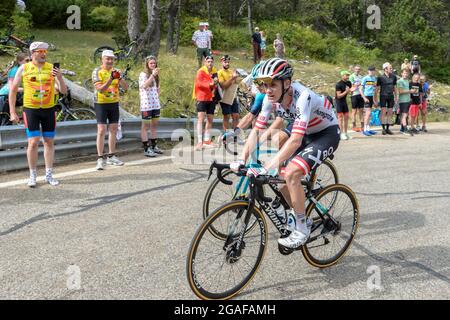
(415,66)
(256,37)
(387,84)
(341,86)
(415,97)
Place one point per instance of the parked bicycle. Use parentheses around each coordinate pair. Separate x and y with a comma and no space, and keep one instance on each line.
(225,253)
(67,113)
(122,52)
(132,84)
(11,44)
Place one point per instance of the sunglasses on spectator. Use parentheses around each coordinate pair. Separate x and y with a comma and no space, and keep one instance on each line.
(40,51)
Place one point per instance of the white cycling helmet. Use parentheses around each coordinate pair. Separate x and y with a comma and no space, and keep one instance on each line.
(275,69)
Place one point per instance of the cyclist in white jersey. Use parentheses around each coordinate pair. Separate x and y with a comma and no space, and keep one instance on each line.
(313,136)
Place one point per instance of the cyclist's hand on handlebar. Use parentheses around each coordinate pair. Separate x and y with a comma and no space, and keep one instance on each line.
(262,171)
(256,171)
(236,165)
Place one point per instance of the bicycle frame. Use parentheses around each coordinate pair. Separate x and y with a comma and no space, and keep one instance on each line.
(257,197)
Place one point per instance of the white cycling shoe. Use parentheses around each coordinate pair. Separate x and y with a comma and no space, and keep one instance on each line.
(295,239)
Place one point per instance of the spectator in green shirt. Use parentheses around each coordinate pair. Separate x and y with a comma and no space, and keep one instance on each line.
(404,100)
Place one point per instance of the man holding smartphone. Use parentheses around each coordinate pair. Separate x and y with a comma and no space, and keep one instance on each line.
(39,79)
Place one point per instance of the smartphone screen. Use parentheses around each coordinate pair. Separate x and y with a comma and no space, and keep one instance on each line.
(56,65)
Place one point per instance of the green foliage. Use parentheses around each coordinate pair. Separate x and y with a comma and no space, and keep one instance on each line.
(22,23)
(102,18)
(6,11)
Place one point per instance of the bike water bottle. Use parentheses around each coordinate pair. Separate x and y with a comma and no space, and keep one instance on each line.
(279,210)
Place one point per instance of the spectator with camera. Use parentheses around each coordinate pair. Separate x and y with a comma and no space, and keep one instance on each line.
(107,81)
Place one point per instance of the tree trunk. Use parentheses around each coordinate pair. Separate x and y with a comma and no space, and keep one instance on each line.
(208,8)
(250,15)
(172,13)
(134,18)
(148,42)
(177,28)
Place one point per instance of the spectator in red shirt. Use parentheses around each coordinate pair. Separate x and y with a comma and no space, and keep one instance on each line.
(205,84)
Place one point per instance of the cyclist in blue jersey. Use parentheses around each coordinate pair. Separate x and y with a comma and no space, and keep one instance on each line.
(367,90)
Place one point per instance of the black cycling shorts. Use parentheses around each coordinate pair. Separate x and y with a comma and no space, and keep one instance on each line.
(228,109)
(370,103)
(404,107)
(357,102)
(315,149)
(387,101)
(151,114)
(35,119)
(107,113)
(342,107)
(206,106)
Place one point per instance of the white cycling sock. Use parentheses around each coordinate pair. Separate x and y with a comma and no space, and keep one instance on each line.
(33,173)
(48,172)
(300,224)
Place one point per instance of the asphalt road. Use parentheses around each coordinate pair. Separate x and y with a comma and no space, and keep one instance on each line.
(124,233)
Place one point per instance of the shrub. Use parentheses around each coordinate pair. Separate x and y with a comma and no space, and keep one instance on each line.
(102,18)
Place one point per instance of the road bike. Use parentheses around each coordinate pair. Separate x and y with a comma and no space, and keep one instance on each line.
(221,264)
(122,52)
(67,113)
(219,193)
(12,44)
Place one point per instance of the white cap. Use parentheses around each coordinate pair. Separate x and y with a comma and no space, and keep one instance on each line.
(206,24)
(385,65)
(108,53)
(201,24)
(38,45)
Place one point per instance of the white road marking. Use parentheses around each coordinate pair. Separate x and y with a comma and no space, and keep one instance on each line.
(84,171)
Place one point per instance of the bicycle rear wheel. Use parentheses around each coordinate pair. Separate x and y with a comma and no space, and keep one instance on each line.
(332,236)
(98,53)
(326,175)
(80,114)
(88,84)
(218,268)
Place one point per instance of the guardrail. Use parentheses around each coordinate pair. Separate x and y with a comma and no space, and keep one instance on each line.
(76,139)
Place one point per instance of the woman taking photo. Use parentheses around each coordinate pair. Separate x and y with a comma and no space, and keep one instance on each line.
(150,106)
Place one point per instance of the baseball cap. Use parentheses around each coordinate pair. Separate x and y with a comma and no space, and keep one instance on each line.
(225,58)
(371,68)
(343,72)
(385,65)
(256,29)
(108,53)
(38,45)
(201,24)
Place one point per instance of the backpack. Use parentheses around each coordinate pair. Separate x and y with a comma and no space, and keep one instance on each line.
(375,118)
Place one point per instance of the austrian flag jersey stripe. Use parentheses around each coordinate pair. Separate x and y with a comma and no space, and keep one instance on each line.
(299,127)
(261,122)
(302,164)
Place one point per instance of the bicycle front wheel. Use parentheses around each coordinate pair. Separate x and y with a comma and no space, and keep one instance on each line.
(80,114)
(218,268)
(335,219)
